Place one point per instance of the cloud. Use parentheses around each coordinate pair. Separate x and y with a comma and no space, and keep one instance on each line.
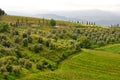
(36,5)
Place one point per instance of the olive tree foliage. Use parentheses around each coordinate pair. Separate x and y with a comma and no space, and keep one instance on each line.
(4,27)
(52,22)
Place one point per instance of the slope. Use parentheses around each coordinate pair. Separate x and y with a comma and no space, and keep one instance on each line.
(87,65)
(115,48)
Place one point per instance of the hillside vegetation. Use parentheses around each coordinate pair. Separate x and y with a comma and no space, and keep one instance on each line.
(86,65)
(33,48)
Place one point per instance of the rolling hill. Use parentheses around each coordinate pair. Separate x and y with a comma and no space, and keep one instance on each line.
(43,52)
(86,65)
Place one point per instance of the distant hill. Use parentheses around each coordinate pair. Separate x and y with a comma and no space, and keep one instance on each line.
(49,16)
(98,16)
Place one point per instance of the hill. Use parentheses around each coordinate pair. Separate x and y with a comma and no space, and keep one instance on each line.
(31,49)
(37,21)
(86,65)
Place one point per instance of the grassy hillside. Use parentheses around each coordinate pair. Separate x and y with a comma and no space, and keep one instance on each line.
(115,48)
(37,21)
(32,49)
(87,65)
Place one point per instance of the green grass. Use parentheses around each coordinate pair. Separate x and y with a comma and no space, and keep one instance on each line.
(115,48)
(86,65)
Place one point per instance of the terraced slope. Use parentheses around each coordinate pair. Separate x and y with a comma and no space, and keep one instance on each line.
(111,48)
(87,65)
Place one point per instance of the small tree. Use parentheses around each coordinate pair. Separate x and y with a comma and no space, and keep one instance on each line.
(37,48)
(9,67)
(40,65)
(52,22)
(25,42)
(2,12)
(17,70)
(28,64)
(4,27)
(25,35)
(40,40)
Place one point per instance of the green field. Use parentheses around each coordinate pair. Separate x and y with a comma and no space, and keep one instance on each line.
(86,65)
(115,48)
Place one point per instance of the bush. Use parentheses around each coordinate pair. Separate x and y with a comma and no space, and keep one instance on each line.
(77,47)
(28,64)
(17,70)
(4,27)
(9,68)
(22,61)
(40,65)
(16,39)
(52,22)
(24,35)
(15,32)
(25,42)
(37,48)
(84,42)
(6,43)
(3,37)
(47,42)
(40,40)
(30,39)
(3,69)
(52,46)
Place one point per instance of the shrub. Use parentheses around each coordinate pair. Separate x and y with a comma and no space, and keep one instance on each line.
(4,27)
(9,67)
(77,47)
(22,61)
(30,39)
(37,48)
(3,37)
(40,65)
(15,32)
(84,42)
(52,46)
(6,43)
(3,69)
(25,42)
(28,64)
(16,39)
(52,22)
(16,70)
(24,35)
(47,42)
(40,40)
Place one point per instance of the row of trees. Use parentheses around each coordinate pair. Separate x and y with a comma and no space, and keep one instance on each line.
(27,22)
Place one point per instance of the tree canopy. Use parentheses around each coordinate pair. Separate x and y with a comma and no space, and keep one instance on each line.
(2,12)
(52,22)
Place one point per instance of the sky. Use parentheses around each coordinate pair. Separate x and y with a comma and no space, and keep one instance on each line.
(58,5)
